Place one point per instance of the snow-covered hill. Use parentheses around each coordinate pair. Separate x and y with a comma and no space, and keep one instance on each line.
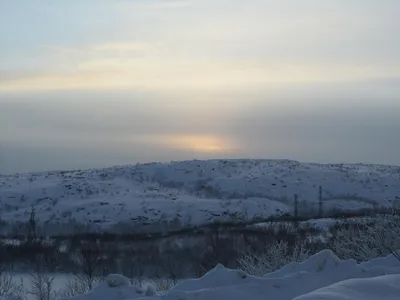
(322,276)
(192,192)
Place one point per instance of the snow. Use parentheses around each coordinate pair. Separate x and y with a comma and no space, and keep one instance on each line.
(191,192)
(382,288)
(103,291)
(322,276)
(116,280)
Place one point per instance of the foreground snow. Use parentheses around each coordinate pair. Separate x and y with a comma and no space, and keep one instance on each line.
(377,288)
(191,192)
(322,276)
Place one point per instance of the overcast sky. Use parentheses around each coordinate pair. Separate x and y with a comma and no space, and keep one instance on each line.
(98,83)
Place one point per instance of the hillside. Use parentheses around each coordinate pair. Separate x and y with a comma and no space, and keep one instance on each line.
(192,192)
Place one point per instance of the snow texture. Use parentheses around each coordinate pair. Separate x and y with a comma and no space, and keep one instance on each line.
(322,276)
(191,192)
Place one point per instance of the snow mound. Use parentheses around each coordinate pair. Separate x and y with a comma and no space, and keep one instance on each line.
(326,264)
(116,280)
(147,289)
(217,277)
(322,276)
(382,288)
(324,260)
(293,280)
(389,262)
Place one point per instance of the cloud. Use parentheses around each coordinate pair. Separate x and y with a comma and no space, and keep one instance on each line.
(185,76)
(123,47)
(119,50)
(234,45)
(162,4)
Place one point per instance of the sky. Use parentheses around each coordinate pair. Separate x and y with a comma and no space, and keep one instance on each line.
(98,83)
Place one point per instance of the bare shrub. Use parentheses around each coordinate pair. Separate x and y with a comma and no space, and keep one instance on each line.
(42,282)
(42,287)
(74,287)
(133,264)
(163,284)
(89,259)
(274,257)
(372,238)
(9,289)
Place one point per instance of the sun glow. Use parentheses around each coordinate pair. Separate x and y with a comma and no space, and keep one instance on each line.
(199,143)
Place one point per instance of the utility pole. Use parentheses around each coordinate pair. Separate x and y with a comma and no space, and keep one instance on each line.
(320,202)
(296,210)
(32,238)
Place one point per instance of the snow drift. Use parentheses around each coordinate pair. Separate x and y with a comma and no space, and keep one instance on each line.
(382,288)
(322,276)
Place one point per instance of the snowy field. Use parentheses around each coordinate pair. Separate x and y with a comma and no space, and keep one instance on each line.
(321,277)
(192,192)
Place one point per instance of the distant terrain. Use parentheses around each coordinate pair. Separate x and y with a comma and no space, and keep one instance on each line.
(192,192)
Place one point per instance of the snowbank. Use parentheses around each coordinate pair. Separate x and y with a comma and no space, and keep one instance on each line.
(322,276)
(382,288)
(326,266)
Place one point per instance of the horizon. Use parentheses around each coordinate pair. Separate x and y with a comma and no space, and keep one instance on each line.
(172,162)
(107,83)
